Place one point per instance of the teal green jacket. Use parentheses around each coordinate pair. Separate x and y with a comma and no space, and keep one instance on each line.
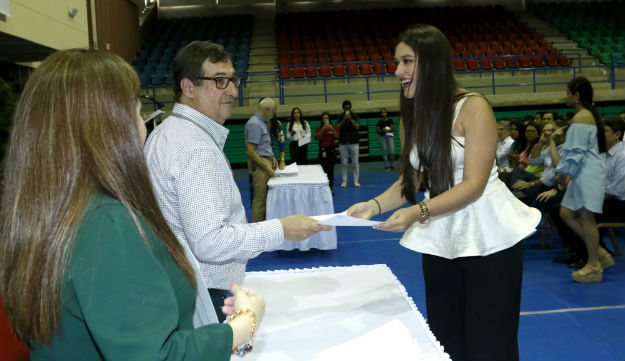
(123,299)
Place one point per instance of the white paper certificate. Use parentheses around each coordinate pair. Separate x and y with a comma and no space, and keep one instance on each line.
(342,219)
(303,141)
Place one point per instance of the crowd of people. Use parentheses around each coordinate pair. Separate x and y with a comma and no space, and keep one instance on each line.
(572,169)
(341,138)
(117,247)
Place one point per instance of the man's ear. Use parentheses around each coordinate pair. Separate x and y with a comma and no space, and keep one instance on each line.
(187,87)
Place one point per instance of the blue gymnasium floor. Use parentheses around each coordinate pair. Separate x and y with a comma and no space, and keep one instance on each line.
(560,319)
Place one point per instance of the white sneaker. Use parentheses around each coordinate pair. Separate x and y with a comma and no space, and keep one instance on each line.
(356,184)
(344,184)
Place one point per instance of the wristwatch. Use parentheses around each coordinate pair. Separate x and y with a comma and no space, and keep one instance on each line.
(425,213)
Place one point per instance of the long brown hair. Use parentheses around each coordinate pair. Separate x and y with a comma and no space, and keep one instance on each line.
(74,132)
(427,118)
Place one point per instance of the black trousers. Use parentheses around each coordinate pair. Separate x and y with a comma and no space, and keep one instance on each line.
(327,162)
(218,297)
(473,304)
(298,154)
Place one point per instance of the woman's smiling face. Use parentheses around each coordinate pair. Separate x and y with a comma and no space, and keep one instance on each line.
(406,69)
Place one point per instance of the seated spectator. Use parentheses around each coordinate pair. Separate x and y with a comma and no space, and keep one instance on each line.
(528,184)
(545,195)
(504,144)
(531,135)
(549,116)
(614,202)
(517,132)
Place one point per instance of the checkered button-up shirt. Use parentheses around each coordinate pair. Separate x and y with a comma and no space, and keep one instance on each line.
(201,202)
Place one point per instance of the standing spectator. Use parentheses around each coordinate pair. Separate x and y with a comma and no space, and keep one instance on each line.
(327,135)
(348,124)
(387,139)
(277,137)
(261,162)
(583,163)
(193,181)
(614,203)
(504,143)
(472,255)
(298,128)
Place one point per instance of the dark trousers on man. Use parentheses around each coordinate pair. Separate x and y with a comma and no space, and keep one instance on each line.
(473,303)
(218,297)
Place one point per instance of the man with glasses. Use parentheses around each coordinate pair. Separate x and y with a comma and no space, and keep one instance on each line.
(193,181)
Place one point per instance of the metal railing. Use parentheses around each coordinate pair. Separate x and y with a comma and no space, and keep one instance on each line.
(612,79)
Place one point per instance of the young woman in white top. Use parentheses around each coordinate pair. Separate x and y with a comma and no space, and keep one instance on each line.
(469,226)
(298,129)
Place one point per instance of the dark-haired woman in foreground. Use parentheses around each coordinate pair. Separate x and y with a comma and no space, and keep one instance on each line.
(472,254)
(89,269)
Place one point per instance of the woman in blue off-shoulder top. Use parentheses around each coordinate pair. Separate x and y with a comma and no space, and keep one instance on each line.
(583,167)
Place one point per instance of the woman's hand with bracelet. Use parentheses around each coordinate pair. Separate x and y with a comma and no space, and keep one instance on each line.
(401,220)
(249,310)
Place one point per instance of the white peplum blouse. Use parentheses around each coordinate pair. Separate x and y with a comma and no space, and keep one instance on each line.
(497,220)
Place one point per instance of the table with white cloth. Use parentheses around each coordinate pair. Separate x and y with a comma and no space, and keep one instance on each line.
(339,313)
(306,193)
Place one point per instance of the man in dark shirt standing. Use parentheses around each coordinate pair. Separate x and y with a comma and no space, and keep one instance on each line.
(348,124)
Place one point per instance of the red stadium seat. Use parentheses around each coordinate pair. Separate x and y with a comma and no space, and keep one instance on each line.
(339,69)
(563,60)
(459,65)
(335,59)
(551,60)
(325,70)
(473,64)
(311,71)
(525,62)
(391,68)
(538,62)
(353,69)
(486,64)
(366,68)
(285,72)
(378,68)
(511,63)
(298,72)
(498,63)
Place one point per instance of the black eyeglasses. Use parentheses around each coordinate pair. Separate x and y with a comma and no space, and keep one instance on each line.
(221,82)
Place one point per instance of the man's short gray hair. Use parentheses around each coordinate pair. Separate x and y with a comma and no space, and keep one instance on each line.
(505,124)
(267,103)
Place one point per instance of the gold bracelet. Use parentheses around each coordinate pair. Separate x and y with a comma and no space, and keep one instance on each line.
(425,213)
(249,345)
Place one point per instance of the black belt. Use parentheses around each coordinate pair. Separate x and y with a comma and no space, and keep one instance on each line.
(216,292)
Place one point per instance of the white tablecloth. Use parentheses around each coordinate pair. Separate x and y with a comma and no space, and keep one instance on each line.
(307,193)
(312,312)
